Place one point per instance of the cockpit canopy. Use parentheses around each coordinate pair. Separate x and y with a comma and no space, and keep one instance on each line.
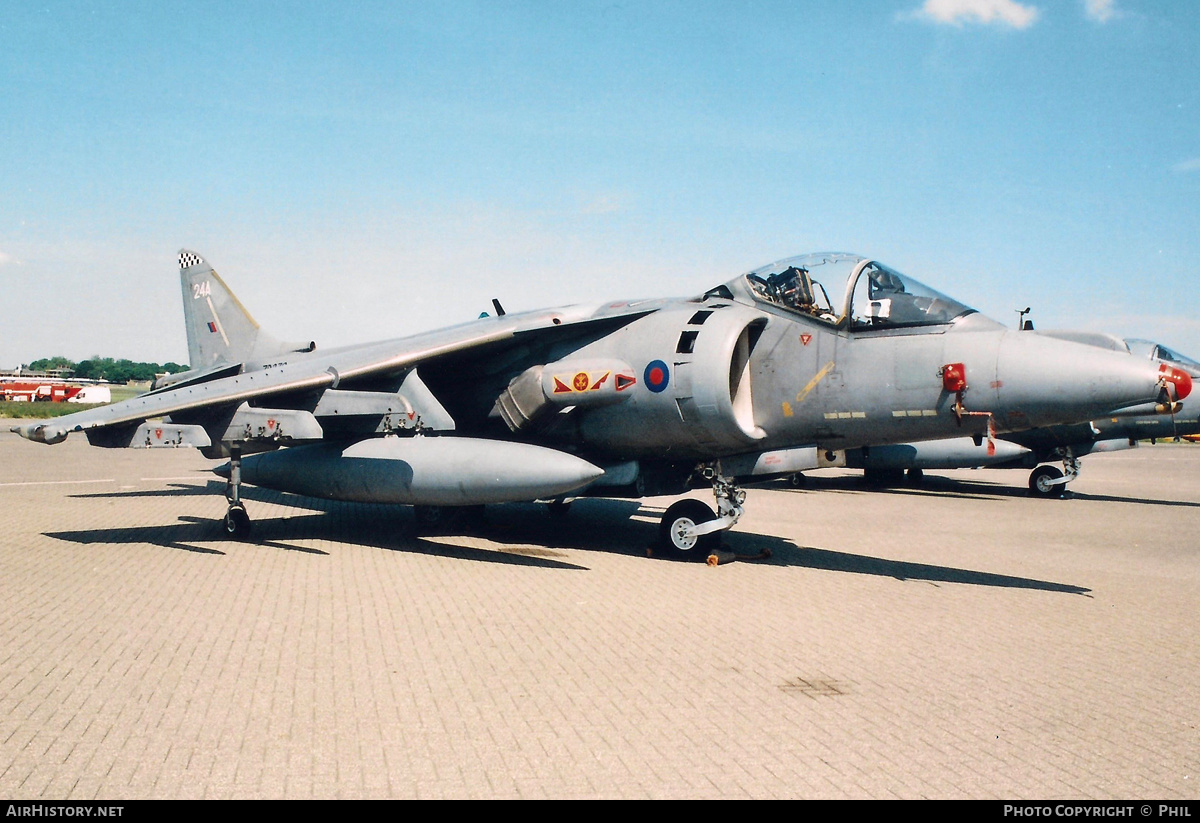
(1157,351)
(873,297)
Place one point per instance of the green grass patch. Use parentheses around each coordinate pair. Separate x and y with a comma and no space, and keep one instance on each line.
(120,393)
(43,410)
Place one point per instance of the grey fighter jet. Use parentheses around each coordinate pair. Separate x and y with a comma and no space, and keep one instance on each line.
(759,377)
(1038,448)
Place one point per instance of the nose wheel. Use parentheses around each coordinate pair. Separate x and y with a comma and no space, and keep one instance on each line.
(1048,481)
(677,531)
(690,530)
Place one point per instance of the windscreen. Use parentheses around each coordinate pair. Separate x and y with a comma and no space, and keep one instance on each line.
(869,295)
(1163,353)
(885,298)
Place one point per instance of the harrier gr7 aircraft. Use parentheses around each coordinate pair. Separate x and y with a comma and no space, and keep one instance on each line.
(760,377)
(1038,447)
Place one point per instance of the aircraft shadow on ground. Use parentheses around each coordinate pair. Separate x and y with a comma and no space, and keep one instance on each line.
(827,560)
(930,487)
(527,534)
(948,487)
(172,490)
(1108,498)
(382,530)
(372,525)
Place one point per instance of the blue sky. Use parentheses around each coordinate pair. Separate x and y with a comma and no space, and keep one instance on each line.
(358,171)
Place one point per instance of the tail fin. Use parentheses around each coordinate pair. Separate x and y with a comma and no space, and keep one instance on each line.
(219,329)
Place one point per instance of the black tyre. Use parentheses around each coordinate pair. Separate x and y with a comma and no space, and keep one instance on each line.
(236,523)
(915,477)
(680,517)
(1040,484)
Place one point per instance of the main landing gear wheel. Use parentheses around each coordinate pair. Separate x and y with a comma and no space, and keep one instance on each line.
(237,522)
(1041,485)
(672,531)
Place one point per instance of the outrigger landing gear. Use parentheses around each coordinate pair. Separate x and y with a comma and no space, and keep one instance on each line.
(236,522)
(689,529)
(1047,481)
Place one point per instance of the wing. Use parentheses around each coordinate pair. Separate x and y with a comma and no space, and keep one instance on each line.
(359,390)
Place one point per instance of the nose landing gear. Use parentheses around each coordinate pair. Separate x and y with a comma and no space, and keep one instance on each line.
(689,529)
(1048,481)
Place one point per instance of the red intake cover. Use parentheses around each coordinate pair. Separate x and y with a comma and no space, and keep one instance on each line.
(954,377)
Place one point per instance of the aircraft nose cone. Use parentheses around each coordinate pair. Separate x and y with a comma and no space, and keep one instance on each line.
(1049,381)
(1178,378)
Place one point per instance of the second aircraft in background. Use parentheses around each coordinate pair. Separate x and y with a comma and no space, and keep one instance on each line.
(1038,448)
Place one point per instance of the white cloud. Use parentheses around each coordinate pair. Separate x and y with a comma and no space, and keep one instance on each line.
(988,12)
(1101,10)
(5,259)
(1187,165)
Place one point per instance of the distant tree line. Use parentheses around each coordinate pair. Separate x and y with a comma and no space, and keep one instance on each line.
(105,368)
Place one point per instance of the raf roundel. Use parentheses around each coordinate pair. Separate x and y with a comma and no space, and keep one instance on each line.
(657,376)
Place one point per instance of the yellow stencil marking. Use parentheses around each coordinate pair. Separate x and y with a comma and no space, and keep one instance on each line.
(812,384)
